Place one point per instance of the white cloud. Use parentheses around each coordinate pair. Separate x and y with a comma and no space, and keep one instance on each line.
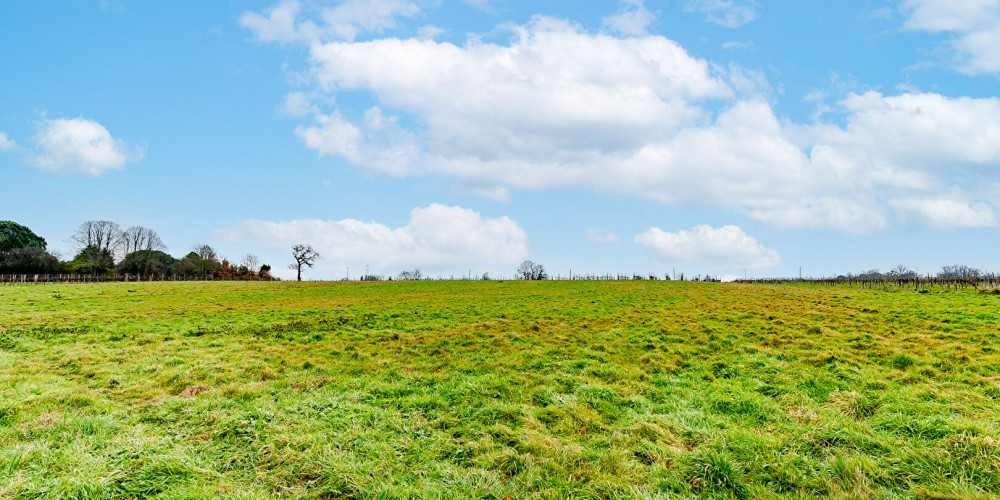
(632,19)
(299,104)
(505,105)
(80,146)
(815,95)
(378,142)
(498,194)
(280,24)
(6,144)
(946,213)
(601,236)
(437,238)
(430,32)
(975,25)
(882,13)
(748,45)
(727,247)
(727,13)
(483,5)
(353,17)
(344,21)
(640,117)
(918,132)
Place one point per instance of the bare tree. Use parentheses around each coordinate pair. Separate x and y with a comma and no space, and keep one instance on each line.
(414,275)
(251,262)
(959,271)
(138,238)
(206,252)
(529,270)
(304,255)
(901,272)
(100,234)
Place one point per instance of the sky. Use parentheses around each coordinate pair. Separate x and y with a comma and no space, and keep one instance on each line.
(714,137)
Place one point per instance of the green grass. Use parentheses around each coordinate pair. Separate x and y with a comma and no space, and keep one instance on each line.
(497,389)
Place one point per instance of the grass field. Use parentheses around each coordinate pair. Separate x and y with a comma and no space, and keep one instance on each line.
(497,389)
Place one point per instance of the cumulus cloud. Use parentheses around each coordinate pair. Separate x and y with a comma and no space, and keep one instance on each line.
(284,22)
(921,132)
(727,247)
(437,238)
(601,236)
(974,24)
(511,105)
(80,146)
(640,117)
(946,213)
(633,18)
(727,13)
(6,144)
(378,142)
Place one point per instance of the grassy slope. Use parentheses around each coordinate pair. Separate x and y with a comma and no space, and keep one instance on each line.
(436,389)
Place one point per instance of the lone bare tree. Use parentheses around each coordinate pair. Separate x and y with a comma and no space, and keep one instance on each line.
(304,255)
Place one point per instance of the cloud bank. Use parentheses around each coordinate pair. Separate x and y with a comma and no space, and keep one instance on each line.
(437,238)
(640,117)
(727,247)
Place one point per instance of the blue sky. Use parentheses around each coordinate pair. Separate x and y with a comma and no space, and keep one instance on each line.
(702,136)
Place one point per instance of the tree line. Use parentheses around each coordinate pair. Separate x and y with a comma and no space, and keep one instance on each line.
(104,247)
(958,275)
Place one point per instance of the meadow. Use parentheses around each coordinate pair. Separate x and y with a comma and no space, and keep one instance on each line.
(497,390)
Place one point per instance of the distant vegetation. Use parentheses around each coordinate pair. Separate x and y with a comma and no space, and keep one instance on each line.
(103,247)
(957,276)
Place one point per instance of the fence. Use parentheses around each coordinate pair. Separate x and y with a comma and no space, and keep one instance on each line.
(981,282)
(18,279)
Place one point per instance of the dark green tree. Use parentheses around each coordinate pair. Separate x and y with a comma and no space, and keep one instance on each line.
(23,251)
(92,260)
(28,260)
(146,262)
(196,265)
(14,235)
